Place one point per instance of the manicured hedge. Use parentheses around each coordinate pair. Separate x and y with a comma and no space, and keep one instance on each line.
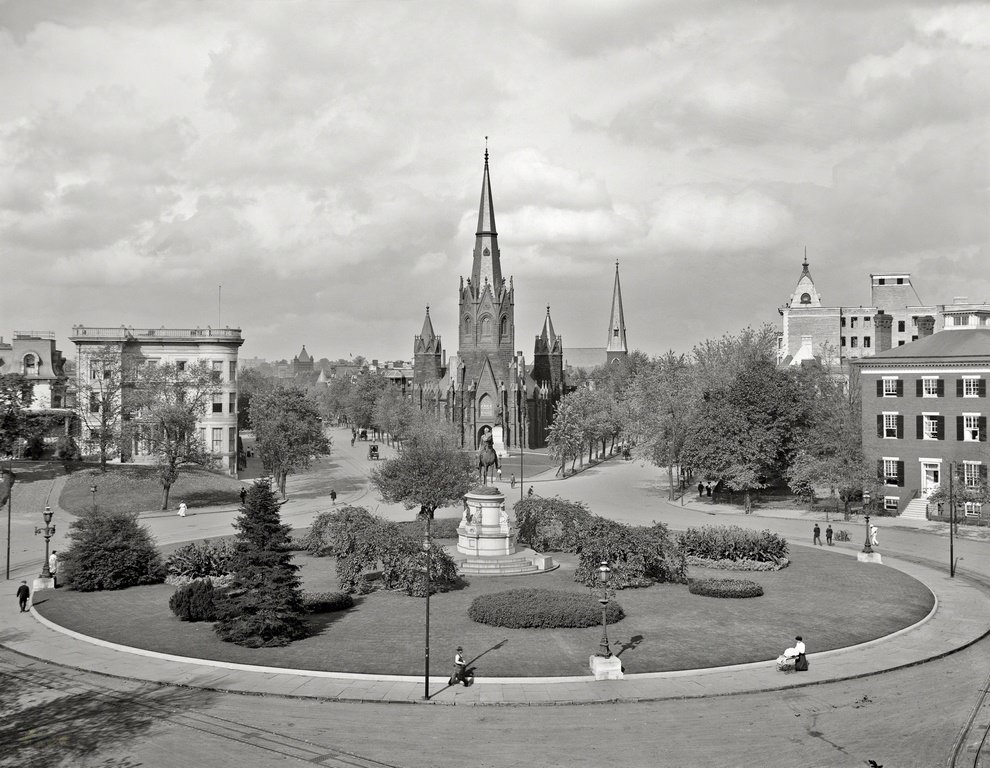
(730,542)
(737,565)
(725,588)
(326,602)
(541,608)
(637,555)
(199,560)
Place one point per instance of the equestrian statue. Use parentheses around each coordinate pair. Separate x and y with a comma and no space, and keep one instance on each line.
(487,458)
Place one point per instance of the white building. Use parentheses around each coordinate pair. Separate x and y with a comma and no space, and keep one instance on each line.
(180,346)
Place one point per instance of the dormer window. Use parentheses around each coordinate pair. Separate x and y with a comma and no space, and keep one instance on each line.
(31,363)
(805,298)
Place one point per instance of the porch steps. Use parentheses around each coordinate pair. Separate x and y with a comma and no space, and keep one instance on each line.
(916,509)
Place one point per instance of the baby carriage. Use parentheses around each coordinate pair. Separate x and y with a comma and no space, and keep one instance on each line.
(789,661)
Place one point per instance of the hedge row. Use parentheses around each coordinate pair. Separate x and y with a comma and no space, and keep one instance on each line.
(725,588)
(721,542)
(541,608)
(737,565)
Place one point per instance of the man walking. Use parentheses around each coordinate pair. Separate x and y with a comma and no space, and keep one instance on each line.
(873,537)
(243,495)
(828,535)
(818,535)
(53,562)
(23,593)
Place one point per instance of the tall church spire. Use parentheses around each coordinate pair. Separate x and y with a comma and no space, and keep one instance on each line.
(616,347)
(487,264)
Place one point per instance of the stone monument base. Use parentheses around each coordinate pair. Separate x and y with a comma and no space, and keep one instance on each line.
(486,542)
(603,668)
(869,557)
(40,583)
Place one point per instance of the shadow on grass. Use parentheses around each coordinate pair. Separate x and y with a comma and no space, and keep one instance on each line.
(633,643)
(319,623)
(75,728)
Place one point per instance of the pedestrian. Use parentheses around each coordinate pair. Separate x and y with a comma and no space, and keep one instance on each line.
(701,489)
(53,562)
(873,536)
(243,494)
(530,491)
(828,535)
(182,509)
(353,438)
(460,669)
(818,535)
(708,489)
(499,471)
(23,593)
(333,496)
(512,480)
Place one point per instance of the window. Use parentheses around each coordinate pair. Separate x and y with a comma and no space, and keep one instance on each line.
(972,386)
(900,343)
(890,503)
(881,281)
(854,341)
(900,326)
(218,403)
(217,439)
(929,385)
(853,321)
(842,322)
(914,338)
(960,319)
(890,425)
(971,473)
(971,427)
(866,341)
(467,324)
(232,404)
(486,326)
(972,508)
(232,376)
(891,473)
(900,281)
(232,438)
(94,374)
(805,298)
(866,320)
(842,341)
(930,425)
(218,367)
(180,365)
(891,386)
(94,402)
(30,364)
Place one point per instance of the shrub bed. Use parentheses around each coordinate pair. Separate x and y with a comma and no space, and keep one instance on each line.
(199,560)
(541,608)
(725,588)
(730,542)
(550,525)
(195,601)
(326,602)
(738,565)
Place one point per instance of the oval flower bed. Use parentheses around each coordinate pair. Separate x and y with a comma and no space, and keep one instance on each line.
(725,588)
(542,608)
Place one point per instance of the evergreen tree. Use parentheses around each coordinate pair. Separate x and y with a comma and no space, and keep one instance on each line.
(263,606)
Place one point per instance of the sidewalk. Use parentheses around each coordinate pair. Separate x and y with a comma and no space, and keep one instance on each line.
(961,616)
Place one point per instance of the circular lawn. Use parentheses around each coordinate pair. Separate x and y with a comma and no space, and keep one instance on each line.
(829,598)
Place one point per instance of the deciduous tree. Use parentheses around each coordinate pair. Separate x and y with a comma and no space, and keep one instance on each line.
(289,432)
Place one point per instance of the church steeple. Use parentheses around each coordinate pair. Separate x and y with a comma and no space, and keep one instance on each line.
(805,294)
(427,334)
(616,348)
(548,336)
(486,266)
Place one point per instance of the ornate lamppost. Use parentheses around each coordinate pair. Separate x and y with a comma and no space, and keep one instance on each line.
(604,572)
(867,547)
(92,490)
(49,531)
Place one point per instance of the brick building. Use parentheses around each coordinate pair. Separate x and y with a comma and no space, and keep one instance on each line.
(925,407)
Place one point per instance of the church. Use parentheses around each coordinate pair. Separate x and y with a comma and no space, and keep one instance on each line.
(488,383)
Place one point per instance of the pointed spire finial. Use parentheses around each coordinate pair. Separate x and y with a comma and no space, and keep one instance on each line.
(427,309)
(805,262)
(486,150)
(548,310)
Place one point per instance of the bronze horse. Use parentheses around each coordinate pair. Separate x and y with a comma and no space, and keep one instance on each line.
(487,458)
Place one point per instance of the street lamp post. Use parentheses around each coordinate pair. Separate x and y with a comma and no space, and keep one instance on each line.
(867,547)
(49,531)
(92,490)
(426,655)
(604,572)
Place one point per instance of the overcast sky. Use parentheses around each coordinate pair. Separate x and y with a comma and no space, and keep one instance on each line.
(322,161)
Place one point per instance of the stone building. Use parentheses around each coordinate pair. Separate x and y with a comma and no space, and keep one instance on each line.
(180,346)
(488,383)
(924,407)
(33,355)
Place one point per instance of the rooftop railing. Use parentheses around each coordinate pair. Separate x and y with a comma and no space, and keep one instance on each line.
(123,333)
(34,335)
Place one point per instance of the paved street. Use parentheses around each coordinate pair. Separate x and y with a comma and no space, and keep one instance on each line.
(907,717)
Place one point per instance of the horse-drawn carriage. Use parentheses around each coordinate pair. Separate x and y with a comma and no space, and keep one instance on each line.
(373,452)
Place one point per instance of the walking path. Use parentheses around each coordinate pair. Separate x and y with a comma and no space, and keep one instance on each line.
(625,491)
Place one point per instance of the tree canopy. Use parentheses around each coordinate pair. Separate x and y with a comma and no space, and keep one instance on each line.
(289,431)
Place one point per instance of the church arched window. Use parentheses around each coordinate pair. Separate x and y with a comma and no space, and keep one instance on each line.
(467,324)
(486,326)
(486,408)
(805,298)
(503,328)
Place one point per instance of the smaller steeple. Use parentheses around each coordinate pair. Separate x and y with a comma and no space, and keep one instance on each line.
(427,334)
(805,294)
(616,348)
(548,334)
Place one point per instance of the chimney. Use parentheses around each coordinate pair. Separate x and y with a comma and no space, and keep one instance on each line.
(926,326)
(882,324)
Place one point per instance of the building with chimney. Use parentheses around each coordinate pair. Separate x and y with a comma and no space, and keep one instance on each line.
(488,382)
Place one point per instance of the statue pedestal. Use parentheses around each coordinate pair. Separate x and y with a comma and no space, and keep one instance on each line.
(869,557)
(606,668)
(486,543)
(40,583)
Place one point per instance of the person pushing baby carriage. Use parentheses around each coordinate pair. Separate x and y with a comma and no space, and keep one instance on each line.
(793,659)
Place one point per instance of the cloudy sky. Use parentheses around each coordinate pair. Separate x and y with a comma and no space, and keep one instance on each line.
(322,162)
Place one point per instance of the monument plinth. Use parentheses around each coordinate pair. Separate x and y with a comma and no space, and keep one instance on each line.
(486,542)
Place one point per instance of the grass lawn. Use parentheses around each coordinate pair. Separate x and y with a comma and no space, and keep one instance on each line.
(136,488)
(830,599)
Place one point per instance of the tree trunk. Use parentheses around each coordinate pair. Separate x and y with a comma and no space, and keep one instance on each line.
(165,492)
(747,503)
(670,482)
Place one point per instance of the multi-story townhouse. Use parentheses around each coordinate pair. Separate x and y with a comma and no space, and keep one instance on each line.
(925,410)
(183,347)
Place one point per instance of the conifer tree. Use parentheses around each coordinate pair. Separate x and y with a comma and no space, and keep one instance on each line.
(263,606)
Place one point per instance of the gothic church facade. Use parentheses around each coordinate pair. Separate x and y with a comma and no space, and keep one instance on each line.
(488,383)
